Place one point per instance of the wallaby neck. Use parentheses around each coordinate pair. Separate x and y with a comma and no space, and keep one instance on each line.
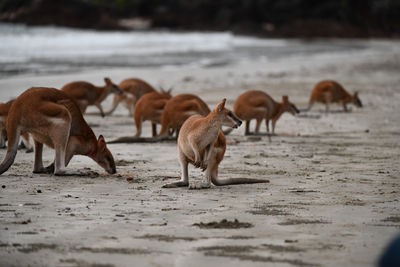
(101,92)
(277,111)
(213,124)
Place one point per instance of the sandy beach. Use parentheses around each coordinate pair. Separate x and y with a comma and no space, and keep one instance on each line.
(332,200)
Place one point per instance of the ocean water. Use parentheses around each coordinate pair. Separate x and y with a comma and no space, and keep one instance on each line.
(27,49)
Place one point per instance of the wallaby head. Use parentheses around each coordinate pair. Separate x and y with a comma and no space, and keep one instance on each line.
(103,156)
(225,116)
(288,106)
(356,101)
(113,88)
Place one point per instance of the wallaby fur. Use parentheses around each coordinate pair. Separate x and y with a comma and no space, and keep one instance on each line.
(150,107)
(86,94)
(54,119)
(328,92)
(133,89)
(258,105)
(178,109)
(202,143)
(4,109)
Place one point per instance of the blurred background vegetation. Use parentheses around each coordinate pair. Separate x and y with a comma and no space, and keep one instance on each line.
(283,18)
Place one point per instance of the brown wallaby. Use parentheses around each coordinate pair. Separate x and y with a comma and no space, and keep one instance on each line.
(202,143)
(332,92)
(53,119)
(150,107)
(178,109)
(4,109)
(133,89)
(86,94)
(259,105)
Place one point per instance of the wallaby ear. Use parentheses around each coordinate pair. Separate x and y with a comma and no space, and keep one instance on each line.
(101,143)
(355,93)
(107,80)
(220,106)
(285,99)
(170,90)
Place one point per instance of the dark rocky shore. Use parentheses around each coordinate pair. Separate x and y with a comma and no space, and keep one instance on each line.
(266,18)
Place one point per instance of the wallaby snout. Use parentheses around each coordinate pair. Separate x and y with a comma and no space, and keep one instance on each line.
(238,123)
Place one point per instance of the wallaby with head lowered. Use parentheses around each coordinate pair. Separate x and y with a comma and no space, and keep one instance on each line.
(202,143)
(133,89)
(52,118)
(4,109)
(259,106)
(86,94)
(328,92)
(178,109)
(150,107)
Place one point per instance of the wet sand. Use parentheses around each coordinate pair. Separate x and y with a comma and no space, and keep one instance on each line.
(332,200)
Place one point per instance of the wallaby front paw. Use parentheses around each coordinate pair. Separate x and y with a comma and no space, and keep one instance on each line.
(197,164)
(204,166)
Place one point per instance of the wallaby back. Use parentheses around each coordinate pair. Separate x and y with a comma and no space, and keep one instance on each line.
(178,109)
(150,107)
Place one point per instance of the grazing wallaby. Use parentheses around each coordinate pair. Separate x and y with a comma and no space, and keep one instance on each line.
(259,105)
(133,90)
(4,109)
(53,119)
(202,143)
(150,107)
(178,109)
(332,92)
(86,94)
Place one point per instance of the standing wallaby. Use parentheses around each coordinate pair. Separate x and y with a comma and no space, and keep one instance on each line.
(133,89)
(332,92)
(202,143)
(86,94)
(53,119)
(4,109)
(259,105)
(178,109)
(150,107)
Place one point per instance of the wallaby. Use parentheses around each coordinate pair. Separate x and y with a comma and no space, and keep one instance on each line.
(332,92)
(202,143)
(133,89)
(150,107)
(54,119)
(178,109)
(86,94)
(4,109)
(259,105)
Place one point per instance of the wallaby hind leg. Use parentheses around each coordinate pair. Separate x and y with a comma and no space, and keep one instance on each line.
(206,183)
(3,135)
(184,181)
(267,125)
(38,164)
(247,129)
(258,124)
(138,123)
(154,129)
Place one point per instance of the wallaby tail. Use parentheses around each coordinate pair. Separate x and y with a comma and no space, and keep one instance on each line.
(13,134)
(231,181)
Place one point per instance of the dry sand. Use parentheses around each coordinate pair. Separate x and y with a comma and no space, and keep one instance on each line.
(333,199)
